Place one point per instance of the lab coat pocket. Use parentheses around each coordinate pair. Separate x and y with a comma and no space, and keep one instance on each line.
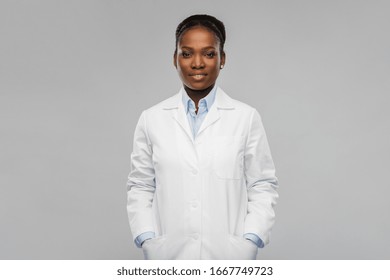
(228,161)
(241,248)
(168,247)
(153,248)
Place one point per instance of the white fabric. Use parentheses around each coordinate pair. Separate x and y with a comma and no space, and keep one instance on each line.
(201,195)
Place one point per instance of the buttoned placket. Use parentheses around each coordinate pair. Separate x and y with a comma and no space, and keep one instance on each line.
(195,206)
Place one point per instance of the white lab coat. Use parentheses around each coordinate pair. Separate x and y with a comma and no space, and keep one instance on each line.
(200,196)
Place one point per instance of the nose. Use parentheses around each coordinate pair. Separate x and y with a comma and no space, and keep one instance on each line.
(197,62)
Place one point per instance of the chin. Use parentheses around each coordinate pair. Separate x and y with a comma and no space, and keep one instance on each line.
(198,86)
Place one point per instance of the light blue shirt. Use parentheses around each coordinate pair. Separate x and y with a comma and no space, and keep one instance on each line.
(195,120)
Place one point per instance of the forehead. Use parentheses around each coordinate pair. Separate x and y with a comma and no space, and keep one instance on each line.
(198,36)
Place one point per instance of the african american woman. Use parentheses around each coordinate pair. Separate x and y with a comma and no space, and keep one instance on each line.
(202,183)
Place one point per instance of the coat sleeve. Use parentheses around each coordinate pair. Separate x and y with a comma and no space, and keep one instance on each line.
(261,181)
(141,182)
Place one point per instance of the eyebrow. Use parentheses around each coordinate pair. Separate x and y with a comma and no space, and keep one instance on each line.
(208,47)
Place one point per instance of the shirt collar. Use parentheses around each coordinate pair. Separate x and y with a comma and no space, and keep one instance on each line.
(208,99)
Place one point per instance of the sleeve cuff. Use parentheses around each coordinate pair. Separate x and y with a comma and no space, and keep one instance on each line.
(255,239)
(142,237)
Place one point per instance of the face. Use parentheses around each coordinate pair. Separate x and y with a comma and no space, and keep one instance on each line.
(198,59)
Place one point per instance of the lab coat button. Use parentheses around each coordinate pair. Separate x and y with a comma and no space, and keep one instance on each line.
(194,171)
(194,205)
(196,236)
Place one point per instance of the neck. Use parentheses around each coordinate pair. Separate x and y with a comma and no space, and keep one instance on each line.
(197,95)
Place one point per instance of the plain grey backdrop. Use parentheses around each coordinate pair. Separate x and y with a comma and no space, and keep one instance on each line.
(75,76)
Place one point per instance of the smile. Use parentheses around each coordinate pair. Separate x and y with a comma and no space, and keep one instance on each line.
(198,76)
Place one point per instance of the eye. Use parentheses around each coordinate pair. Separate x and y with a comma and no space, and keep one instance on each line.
(210,54)
(185,54)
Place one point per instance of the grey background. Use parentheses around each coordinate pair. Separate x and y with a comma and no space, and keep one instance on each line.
(75,76)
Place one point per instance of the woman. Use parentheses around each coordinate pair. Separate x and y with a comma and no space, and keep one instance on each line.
(202,181)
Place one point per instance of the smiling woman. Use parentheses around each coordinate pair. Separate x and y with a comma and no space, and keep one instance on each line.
(199,55)
(198,59)
(202,183)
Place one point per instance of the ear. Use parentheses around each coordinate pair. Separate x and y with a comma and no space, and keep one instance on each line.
(175,59)
(223,58)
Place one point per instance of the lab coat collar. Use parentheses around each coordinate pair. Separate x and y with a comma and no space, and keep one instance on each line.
(222,101)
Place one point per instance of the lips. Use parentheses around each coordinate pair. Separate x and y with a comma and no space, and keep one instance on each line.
(198,76)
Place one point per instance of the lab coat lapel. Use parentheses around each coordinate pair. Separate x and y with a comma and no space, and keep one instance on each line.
(175,105)
(222,101)
(181,117)
(211,117)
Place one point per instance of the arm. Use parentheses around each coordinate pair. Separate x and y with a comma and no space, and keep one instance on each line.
(260,181)
(141,183)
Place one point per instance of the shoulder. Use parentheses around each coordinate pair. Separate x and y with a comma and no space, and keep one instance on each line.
(225,100)
(167,104)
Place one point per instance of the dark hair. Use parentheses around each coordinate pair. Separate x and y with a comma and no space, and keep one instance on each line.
(211,23)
